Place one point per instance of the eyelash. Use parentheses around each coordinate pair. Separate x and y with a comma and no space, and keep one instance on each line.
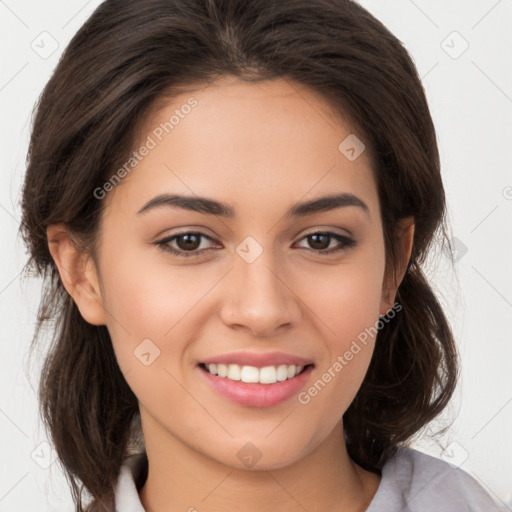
(347,243)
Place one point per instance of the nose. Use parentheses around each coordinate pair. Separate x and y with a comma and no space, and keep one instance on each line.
(258,298)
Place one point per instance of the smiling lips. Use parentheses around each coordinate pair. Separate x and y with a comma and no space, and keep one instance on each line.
(256,380)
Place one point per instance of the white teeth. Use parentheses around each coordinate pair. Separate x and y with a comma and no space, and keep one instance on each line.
(268,375)
(251,374)
(282,372)
(234,372)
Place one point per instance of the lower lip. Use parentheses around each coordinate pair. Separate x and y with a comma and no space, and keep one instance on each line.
(257,395)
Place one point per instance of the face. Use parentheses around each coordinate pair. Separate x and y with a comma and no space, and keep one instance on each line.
(184,287)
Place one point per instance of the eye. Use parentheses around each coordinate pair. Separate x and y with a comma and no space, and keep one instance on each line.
(188,243)
(321,240)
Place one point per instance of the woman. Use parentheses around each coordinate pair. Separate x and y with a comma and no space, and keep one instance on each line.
(231,202)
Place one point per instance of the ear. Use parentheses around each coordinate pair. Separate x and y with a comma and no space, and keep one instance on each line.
(78,273)
(405,233)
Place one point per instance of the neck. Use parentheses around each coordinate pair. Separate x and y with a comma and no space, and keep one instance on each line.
(180,478)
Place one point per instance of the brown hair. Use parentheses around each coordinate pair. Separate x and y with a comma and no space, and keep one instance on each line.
(131,53)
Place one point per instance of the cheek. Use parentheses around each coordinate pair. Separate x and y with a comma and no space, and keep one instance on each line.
(346,307)
(154,312)
(149,299)
(346,298)
(144,302)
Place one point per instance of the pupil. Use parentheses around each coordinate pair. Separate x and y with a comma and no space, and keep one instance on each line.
(190,243)
(315,241)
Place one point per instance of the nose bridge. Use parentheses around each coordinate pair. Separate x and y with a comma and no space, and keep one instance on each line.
(258,297)
(259,278)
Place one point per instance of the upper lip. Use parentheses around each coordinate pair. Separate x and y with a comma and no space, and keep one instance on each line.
(258,359)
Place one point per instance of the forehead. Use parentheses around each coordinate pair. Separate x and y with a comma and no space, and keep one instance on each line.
(249,143)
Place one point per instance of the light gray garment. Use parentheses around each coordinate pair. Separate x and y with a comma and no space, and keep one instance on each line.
(412,481)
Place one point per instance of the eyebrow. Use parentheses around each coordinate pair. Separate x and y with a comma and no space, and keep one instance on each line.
(217,208)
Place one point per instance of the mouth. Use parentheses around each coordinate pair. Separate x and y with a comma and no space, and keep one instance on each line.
(253,375)
(252,386)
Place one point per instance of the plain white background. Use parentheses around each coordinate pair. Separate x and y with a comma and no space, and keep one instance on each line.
(462,51)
